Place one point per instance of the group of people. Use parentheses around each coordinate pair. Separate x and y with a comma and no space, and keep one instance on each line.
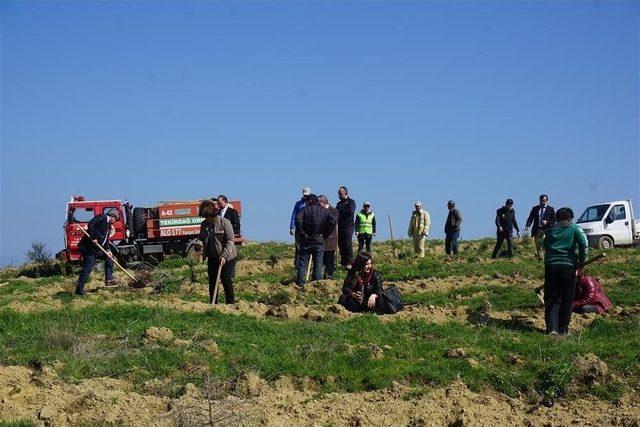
(321,229)
(567,288)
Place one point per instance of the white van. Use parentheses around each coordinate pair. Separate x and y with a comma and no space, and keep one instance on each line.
(610,224)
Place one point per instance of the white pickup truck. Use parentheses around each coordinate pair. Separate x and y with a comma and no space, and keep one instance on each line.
(610,224)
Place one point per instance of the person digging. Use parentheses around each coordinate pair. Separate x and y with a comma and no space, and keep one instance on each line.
(95,244)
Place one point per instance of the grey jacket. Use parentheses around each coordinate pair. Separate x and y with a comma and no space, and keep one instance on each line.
(217,238)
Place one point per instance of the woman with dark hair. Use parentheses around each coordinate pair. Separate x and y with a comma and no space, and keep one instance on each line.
(566,249)
(219,249)
(362,286)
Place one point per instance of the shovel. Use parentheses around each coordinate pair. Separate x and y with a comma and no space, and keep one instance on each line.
(217,285)
(107,254)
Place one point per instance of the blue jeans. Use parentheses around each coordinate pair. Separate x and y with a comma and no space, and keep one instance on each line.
(88,262)
(451,242)
(306,252)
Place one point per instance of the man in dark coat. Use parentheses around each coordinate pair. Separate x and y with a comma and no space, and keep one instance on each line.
(542,217)
(452,229)
(346,226)
(331,242)
(99,229)
(313,224)
(229,213)
(505,224)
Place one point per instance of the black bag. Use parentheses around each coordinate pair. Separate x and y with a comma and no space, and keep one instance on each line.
(391,300)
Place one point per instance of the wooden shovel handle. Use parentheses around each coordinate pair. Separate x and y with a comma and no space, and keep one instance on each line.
(217,285)
(106,253)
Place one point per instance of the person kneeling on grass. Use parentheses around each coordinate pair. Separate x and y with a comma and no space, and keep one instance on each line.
(590,297)
(219,249)
(565,249)
(362,286)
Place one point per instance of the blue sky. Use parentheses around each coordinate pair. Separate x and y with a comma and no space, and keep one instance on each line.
(472,101)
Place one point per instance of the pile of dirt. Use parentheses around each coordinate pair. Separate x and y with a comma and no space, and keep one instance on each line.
(158,335)
(41,397)
(590,369)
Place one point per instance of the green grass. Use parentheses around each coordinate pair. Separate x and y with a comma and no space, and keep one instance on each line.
(307,349)
(500,297)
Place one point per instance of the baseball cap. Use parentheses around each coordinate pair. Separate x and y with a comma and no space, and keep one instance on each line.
(306,191)
(418,203)
(367,204)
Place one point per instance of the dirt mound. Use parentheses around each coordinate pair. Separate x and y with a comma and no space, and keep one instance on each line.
(102,400)
(41,397)
(155,335)
(453,405)
(590,368)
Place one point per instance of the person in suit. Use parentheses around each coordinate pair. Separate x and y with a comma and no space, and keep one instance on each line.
(505,224)
(98,228)
(346,226)
(228,212)
(542,217)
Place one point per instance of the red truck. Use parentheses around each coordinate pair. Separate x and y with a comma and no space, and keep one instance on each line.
(141,233)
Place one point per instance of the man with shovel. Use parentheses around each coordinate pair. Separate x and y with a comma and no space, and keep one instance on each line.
(98,237)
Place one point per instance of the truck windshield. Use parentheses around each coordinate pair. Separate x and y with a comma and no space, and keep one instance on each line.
(593,213)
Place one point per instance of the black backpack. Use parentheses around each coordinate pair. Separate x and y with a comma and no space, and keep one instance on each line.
(391,301)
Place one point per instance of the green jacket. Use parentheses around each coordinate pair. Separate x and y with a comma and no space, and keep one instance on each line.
(565,244)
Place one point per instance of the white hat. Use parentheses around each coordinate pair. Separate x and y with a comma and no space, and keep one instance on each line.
(418,203)
(367,204)
(306,191)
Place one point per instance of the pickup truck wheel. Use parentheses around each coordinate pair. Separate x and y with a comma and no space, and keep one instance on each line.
(605,242)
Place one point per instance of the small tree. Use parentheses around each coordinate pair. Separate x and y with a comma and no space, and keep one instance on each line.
(39,253)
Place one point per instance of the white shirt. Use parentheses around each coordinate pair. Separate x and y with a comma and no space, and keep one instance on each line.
(224,211)
(540,214)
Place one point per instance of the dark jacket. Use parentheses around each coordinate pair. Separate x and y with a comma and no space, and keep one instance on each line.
(506,218)
(534,217)
(331,242)
(98,228)
(454,219)
(346,211)
(360,282)
(300,204)
(589,292)
(314,224)
(233,217)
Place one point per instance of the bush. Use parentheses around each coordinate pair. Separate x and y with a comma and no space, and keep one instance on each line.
(39,253)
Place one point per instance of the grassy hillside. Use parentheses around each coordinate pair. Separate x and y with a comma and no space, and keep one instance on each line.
(473,320)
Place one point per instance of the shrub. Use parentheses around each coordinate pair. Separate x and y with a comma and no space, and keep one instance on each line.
(39,253)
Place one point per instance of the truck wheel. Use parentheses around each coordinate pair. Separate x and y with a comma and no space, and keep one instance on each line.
(140,223)
(605,242)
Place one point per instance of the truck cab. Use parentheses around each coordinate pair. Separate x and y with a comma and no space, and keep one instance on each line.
(78,214)
(610,224)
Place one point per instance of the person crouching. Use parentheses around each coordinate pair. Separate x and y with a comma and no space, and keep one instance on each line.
(219,249)
(362,286)
(590,297)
